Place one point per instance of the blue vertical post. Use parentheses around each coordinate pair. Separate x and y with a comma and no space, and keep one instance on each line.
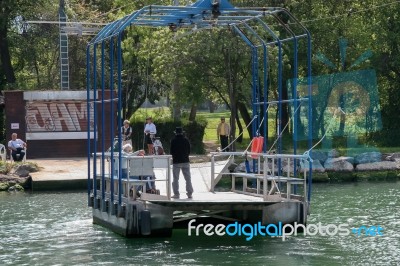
(295,105)
(310,128)
(255,98)
(103,85)
(95,124)
(265,96)
(279,127)
(88,83)
(254,88)
(112,115)
(119,118)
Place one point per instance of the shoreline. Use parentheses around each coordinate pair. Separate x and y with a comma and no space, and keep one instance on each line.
(63,174)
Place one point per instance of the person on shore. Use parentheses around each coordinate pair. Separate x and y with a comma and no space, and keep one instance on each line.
(126,131)
(180,150)
(223,132)
(150,131)
(17,147)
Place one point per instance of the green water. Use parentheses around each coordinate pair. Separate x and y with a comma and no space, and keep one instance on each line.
(57,229)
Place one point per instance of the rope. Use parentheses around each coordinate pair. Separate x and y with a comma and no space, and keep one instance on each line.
(230,144)
(259,126)
(262,120)
(326,131)
(280,135)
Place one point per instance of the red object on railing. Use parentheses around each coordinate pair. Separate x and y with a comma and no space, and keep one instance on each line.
(257,145)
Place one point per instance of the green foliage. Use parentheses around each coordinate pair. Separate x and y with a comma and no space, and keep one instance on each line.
(194,131)
(6,167)
(4,186)
(190,68)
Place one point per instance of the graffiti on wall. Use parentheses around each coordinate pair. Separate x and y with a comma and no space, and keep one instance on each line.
(58,116)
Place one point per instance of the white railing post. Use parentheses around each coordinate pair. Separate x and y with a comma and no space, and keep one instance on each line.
(169,178)
(212,173)
(265,181)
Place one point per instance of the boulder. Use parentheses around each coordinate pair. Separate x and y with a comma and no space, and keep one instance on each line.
(23,170)
(378,166)
(368,157)
(242,167)
(347,159)
(338,165)
(316,166)
(289,167)
(319,155)
(333,153)
(15,188)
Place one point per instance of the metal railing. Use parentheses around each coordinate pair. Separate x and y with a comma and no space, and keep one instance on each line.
(269,172)
(126,174)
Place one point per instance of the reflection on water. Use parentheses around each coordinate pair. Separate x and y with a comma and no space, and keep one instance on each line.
(56,228)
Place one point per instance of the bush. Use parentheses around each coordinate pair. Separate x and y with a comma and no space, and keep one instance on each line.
(194,131)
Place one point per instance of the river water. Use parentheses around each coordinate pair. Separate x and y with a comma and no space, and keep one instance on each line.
(57,229)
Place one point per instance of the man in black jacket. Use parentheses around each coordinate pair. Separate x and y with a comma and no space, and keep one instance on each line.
(180,150)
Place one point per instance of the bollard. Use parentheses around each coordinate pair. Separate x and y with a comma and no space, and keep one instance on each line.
(145,222)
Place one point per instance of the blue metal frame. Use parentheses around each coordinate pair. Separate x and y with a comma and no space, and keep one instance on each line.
(245,22)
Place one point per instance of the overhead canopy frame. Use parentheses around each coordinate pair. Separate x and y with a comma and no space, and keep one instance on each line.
(261,28)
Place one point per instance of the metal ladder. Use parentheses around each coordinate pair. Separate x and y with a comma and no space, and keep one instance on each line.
(64,60)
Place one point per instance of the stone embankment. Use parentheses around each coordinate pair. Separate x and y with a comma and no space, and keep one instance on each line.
(18,176)
(330,166)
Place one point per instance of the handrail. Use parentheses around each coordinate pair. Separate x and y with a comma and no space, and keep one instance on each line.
(125,163)
(267,174)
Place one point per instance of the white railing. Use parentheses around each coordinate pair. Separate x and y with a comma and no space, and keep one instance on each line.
(269,173)
(132,169)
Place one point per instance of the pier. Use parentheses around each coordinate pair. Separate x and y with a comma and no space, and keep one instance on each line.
(124,205)
(274,191)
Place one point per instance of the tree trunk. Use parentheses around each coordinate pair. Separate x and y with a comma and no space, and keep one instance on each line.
(177,104)
(240,127)
(5,57)
(193,112)
(245,115)
(211,106)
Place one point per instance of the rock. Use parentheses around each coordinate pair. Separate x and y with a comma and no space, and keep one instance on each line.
(289,167)
(319,155)
(15,188)
(338,165)
(232,167)
(320,177)
(378,166)
(4,186)
(10,180)
(347,159)
(333,153)
(242,167)
(316,166)
(368,157)
(24,170)
(391,156)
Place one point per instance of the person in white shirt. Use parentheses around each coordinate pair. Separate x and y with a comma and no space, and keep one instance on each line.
(150,131)
(17,147)
(126,131)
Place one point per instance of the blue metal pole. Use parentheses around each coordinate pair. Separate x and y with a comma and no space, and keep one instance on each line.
(310,128)
(279,127)
(295,114)
(265,80)
(265,58)
(112,115)
(255,98)
(95,124)
(103,85)
(88,82)
(119,118)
